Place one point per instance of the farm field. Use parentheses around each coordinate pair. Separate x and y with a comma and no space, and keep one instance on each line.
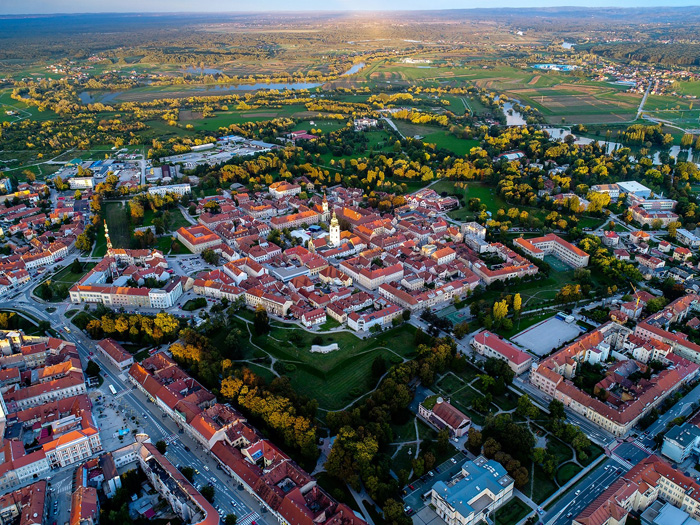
(579,103)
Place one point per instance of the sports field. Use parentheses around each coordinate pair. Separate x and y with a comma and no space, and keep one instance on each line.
(547,335)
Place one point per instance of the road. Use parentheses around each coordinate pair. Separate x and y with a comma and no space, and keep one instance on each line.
(592,485)
(681,408)
(644,99)
(150,418)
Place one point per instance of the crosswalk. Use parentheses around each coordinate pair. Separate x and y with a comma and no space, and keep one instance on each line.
(171,439)
(248,519)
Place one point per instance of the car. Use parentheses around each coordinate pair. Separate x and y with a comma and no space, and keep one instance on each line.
(196,471)
(569,515)
(437,469)
(206,468)
(453,460)
(411,487)
(187,449)
(578,492)
(431,474)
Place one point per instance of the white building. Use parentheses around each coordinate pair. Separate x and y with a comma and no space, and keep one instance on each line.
(178,189)
(481,487)
(688,238)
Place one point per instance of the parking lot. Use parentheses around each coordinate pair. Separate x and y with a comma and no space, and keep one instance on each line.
(443,472)
(547,335)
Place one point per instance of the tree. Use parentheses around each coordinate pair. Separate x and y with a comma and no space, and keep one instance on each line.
(500,310)
(406,315)
(461,329)
(474,441)
(210,256)
(230,519)
(526,408)
(161,446)
(76,267)
(394,514)
(261,322)
(188,472)
(208,492)
(556,410)
(517,302)
(92,369)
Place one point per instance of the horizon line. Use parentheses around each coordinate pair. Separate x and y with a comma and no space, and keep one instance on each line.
(329,11)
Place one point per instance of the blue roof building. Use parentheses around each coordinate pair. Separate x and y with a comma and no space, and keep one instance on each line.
(481,487)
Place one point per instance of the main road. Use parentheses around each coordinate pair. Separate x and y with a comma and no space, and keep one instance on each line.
(230,497)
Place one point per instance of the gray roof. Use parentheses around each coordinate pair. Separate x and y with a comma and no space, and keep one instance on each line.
(463,493)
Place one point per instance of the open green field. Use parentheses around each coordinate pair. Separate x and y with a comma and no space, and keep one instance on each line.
(691,87)
(118,223)
(23,110)
(586,102)
(177,220)
(337,378)
(512,512)
(66,275)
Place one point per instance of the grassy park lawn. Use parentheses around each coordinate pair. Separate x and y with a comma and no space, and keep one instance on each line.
(66,275)
(566,472)
(512,512)
(339,377)
(118,222)
(542,486)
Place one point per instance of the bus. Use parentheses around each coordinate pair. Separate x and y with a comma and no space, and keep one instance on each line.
(112,389)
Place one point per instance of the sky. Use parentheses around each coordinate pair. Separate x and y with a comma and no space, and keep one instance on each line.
(173,6)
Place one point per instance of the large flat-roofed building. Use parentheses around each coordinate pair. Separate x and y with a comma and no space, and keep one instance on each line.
(552,244)
(491,345)
(680,442)
(481,487)
(631,187)
(198,238)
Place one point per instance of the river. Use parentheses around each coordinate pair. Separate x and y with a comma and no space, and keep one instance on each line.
(90,97)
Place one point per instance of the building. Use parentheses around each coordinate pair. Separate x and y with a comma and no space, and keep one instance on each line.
(115,353)
(184,499)
(81,183)
(652,479)
(198,238)
(552,244)
(480,488)
(681,441)
(624,405)
(491,345)
(177,189)
(383,317)
(660,513)
(649,217)
(25,506)
(282,189)
(634,188)
(688,238)
(613,190)
(439,413)
(334,232)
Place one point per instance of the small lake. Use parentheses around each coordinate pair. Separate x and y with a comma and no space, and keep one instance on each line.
(354,69)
